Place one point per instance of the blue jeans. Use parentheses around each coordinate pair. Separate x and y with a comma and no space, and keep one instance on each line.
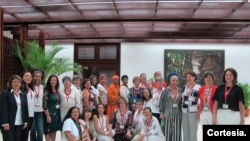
(36,132)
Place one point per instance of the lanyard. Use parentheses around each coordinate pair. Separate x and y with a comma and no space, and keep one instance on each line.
(148,125)
(174,94)
(37,92)
(157,94)
(188,92)
(30,91)
(207,95)
(226,92)
(122,116)
(67,94)
(101,121)
(56,94)
(79,128)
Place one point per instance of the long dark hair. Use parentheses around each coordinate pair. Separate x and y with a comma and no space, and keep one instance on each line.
(91,77)
(149,92)
(30,85)
(97,113)
(68,115)
(48,85)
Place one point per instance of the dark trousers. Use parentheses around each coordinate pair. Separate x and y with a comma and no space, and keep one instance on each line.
(157,116)
(121,137)
(25,132)
(14,134)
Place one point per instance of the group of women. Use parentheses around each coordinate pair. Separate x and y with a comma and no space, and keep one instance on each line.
(89,110)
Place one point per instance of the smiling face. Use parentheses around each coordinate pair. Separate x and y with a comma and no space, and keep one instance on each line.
(190,79)
(16,84)
(103,80)
(77,82)
(53,81)
(229,77)
(208,80)
(88,114)
(75,114)
(146,93)
(94,81)
(100,109)
(67,83)
(87,84)
(37,77)
(174,81)
(147,113)
(139,105)
(27,77)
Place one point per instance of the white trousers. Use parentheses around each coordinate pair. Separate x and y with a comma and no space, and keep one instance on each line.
(228,117)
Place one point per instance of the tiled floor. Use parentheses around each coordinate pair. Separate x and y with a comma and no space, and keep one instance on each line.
(199,135)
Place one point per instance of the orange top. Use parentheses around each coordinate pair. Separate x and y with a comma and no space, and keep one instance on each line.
(113,97)
(164,84)
(202,92)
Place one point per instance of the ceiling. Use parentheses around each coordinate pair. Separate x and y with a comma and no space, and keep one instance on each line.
(115,21)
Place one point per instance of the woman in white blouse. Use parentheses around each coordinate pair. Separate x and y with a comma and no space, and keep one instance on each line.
(73,128)
(151,130)
(101,122)
(124,89)
(138,120)
(147,98)
(69,97)
(102,88)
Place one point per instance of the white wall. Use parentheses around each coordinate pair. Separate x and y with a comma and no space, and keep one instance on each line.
(149,57)
(67,52)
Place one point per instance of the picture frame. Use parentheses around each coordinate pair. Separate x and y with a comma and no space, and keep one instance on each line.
(198,61)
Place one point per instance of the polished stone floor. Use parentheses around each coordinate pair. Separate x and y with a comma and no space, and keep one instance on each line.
(199,135)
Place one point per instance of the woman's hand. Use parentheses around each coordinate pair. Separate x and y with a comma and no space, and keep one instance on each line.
(128,135)
(142,136)
(48,119)
(161,116)
(110,134)
(6,127)
(25,125)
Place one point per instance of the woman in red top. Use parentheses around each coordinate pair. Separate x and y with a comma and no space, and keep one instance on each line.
(206,92)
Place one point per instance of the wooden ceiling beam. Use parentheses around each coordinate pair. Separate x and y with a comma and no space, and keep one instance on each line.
(129,20)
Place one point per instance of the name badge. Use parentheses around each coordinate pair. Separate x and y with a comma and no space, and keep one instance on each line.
(186,102)
(191,98)
(174,105)
(205,108)
(121,126)
(225,106)
(134,99)
(57,106)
